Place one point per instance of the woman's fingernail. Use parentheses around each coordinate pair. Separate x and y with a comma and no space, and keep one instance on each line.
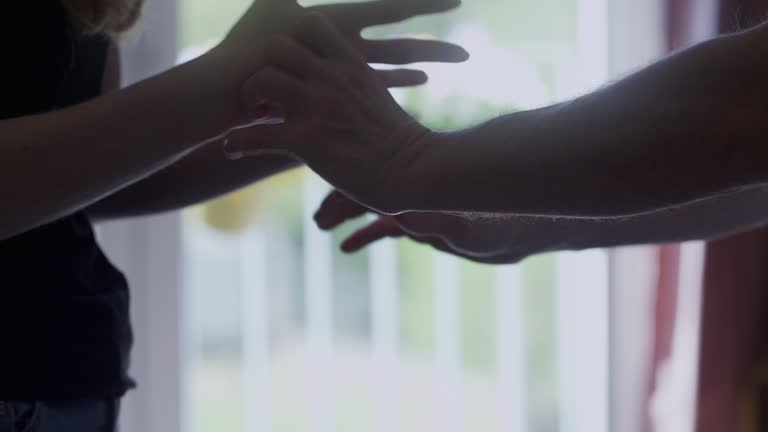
(231,152)
(268,121)
(234,156)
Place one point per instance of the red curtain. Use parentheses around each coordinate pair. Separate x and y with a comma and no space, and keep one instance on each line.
(733,342)
(733,345)
(679,33)
(735,290)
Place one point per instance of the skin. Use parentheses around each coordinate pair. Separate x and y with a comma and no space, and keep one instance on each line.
(687,128)
(169,189)
(671,153)
(497,239)
(124,154)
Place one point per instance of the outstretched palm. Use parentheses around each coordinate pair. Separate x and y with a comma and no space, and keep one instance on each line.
(486,240)
(267,18)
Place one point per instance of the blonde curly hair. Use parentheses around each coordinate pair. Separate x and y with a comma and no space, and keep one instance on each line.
(104,16)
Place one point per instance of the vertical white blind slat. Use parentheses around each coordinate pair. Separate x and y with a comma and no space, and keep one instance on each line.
(255,331)
(318,283)
(448,342)
(384,306)
(511,377)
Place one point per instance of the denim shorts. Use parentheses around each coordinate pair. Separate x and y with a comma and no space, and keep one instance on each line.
(80,416)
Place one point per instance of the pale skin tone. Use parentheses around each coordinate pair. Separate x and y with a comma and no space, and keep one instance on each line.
(673,152)
(125,153)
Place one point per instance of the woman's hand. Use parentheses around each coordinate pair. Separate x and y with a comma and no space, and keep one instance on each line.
(489,240)
(362,140)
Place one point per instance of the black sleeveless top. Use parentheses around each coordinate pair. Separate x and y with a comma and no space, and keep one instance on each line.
(64,330)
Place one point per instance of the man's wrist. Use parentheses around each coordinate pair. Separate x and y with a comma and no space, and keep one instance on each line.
(411,176)
(424,174)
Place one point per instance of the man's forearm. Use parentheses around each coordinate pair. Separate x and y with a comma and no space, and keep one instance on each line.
(702,220)
(688,127)
(517,237)
(202,175)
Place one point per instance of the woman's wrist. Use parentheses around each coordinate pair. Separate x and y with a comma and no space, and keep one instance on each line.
(216,93)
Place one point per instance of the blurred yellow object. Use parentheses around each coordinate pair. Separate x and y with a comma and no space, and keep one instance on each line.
(232,213)
(235,212)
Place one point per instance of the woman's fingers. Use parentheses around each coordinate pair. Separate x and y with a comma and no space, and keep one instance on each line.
(337,209)
(402,77)
(265,138)
(354,17)
(382,228)
(406,51)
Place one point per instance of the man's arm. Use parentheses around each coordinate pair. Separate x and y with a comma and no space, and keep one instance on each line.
(688,127)
(494,240)
(691,126)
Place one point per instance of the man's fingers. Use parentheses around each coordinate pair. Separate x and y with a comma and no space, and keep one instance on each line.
(383,227)
(355,17)
(337,209)
(317,33)
(292,57)
(402,77)
(406,51)
(435,242)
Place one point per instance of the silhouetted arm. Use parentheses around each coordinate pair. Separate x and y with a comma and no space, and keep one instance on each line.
(205,173)
(495,239)
(689,127)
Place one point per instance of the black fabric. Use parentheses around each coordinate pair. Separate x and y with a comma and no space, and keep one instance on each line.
(64,329)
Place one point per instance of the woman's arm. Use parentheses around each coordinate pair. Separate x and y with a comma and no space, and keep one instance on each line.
(205,173)
(54,164)
(201,176)
(688,127)
(57,163)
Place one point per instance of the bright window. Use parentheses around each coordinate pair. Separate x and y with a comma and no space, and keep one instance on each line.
(286,334)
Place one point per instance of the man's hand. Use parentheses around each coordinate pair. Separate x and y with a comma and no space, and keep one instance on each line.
(352,18)
(363,141)
(486,240)
(267,18)
(509,239)
(349,20)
